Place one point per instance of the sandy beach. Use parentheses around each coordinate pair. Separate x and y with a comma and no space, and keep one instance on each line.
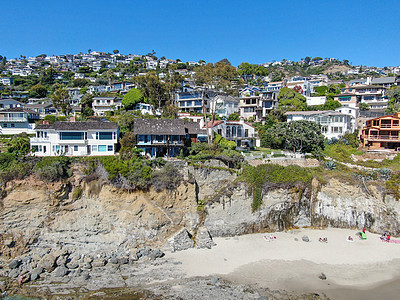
(362,269)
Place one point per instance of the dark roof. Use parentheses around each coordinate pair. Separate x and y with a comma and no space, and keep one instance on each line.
(18,109)
(43,105)
(159,126)
(80,125)
(383,80)
(194,128)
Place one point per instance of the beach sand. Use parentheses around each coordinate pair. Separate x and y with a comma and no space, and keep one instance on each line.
(368,269)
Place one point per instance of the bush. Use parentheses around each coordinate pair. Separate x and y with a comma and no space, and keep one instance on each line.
(53,168)
(167,178)
(330,165)
(77,193)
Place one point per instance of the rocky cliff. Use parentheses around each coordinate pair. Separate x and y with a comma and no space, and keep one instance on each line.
(102,218)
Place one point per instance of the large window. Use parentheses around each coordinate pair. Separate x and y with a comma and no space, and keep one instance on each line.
(102,148)
(104,135)
(72,135)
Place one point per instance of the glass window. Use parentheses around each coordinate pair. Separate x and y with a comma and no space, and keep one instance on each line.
(5,125)
(105,135)
(102,148)
(110,148)
(75,148)
(94,148)
(12,125)
(72,136)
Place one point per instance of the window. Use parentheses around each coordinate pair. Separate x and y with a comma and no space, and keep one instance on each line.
(94,148)
(44,149)
(75,148)
(104,135)
(110,148)
(337,129)
(72,136)
(34,148)
(233,130)
(12,125)
(5,125)
(324,129)
(114,135)
(102,148)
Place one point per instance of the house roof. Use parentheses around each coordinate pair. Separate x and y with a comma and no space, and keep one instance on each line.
(18,109)
(43,105)
(370,86)
(80,125)
(219,122)
(383,80)
(159,126)
(194,128)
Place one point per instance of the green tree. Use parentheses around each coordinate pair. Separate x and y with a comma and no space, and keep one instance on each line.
(80,82)
(291,100)
(47,76)
(19,144)
(38,91)
(152,88)
(133,97)
(331,104)
(61,100)
(298,136)
(125,121)
(170,111)
(363,106)
(394,99)
(233,117)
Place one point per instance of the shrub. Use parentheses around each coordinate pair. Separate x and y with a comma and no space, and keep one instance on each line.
(330,165)
(53,168)
(77,193)
(167,178)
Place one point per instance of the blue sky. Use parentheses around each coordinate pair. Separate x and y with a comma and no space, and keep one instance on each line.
(364,32)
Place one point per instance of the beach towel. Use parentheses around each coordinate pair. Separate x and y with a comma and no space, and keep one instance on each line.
(394,241)
(363,236)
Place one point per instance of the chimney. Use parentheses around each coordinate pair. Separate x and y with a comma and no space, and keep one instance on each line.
(46,122)
(72,119)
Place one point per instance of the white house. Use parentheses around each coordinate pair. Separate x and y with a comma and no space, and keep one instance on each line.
(101,105)
(242,133)
(318,100)
(93,137)
(17,120)
(333,123)
(224,105)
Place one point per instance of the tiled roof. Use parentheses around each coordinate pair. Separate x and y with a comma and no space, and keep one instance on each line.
(80,125)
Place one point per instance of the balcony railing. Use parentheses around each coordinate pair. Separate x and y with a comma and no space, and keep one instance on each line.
(13,119)
(381,137)
(389,126)
(41,139)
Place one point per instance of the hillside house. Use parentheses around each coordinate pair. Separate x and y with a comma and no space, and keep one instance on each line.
(382,133)
(242,133)
(17,120)
(84,138)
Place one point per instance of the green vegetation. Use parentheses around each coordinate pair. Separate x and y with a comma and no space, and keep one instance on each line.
(262,176)
(301,136)
(291,100)
(133,97)
(53,168)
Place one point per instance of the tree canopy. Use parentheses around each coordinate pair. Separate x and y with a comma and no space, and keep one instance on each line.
(152,88)
(61,100)
(38,91)
(133,97)
(394,99)
(298,136)
(291,100)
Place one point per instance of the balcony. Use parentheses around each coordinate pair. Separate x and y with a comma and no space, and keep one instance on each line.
(382,138)
(390,126)
(40,140)
(13,119)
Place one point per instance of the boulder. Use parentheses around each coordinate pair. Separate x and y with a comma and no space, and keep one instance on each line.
(305,239)
(34,276)
(14,263)
(72,265)
(123,260)
(157,253)
(60,271)
(100,262)
(38,271)
(48,262)
(181,240)
(113,260)
(203,238)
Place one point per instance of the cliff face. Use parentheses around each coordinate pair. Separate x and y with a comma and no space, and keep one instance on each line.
(34,214)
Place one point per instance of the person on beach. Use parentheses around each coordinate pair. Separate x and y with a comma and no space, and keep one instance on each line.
(363,230)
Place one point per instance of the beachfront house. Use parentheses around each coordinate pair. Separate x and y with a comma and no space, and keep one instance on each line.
(165,137)
(242,133)
(93,137)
